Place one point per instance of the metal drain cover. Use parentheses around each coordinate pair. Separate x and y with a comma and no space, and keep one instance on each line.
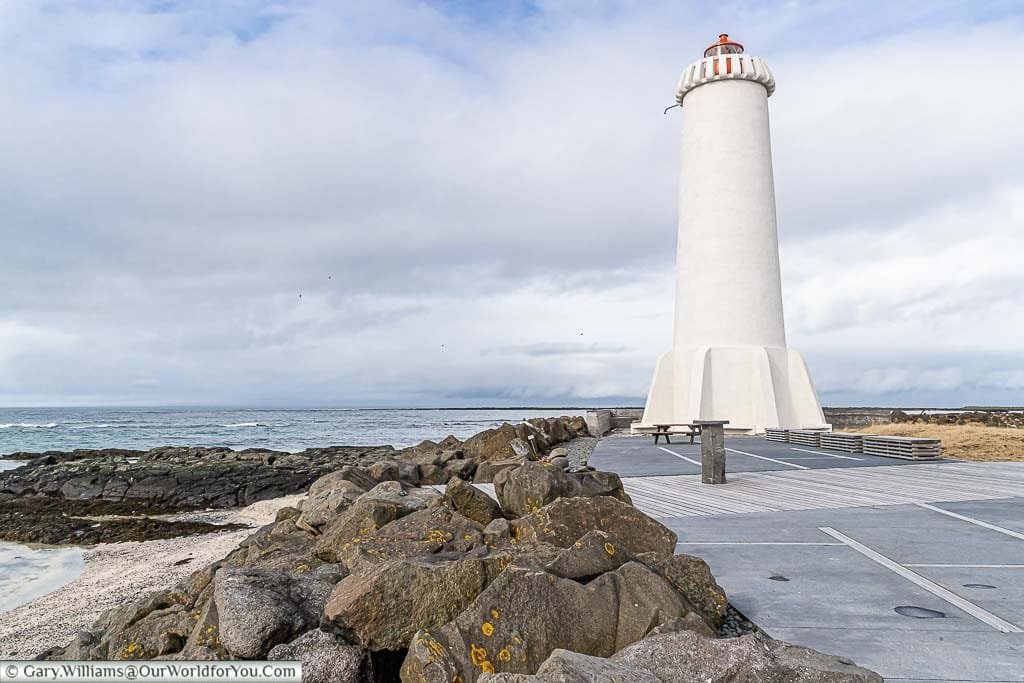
(919,612)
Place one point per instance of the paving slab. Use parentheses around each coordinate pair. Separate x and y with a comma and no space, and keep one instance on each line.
(802,585)
(1008,516)
(930,656)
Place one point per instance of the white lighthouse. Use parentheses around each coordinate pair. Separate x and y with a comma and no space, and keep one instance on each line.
(729,359)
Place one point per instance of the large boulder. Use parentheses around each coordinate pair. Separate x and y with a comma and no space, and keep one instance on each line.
(533,485)
(688,656)
(593,554)
(258,608)
(381,607)
(461,468)
(424,453)
(525,614)
(429,531)
(153,626)
(578,425)
(433,474)
(471,502)
(325,658)
(380,505)
(692,577)
(563,521)
(529,487)
(321,507)
(487,470)
(753,658)
(491,444)
(360,476)
(409,498)
(564,666)
(281,545)
(361,519)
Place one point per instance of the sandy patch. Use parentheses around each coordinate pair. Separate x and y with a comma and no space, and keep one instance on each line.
(118,572)
(964,442)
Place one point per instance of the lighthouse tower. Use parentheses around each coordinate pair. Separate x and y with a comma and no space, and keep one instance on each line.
(729,359)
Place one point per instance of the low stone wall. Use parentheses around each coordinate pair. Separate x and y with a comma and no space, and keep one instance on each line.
(854,418)
(604,420)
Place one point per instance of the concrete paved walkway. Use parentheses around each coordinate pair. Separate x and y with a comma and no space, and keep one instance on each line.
(635,456)
(915,570)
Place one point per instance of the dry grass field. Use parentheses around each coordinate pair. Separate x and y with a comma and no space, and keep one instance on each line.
(964,442)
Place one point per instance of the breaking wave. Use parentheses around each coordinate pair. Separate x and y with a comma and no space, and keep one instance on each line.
(28,425)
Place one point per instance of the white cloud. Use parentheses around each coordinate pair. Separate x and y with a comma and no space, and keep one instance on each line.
(493,184)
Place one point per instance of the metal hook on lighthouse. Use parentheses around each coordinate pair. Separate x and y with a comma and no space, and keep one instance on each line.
(672,107)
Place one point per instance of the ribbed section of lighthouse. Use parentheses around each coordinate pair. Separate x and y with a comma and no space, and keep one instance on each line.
(728,290)
(735,67)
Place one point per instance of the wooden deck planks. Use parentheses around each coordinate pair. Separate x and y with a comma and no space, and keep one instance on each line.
(684,495)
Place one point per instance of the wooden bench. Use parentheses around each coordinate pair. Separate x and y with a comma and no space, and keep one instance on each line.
(666,430)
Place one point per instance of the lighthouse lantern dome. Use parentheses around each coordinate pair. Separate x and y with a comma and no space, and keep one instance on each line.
(723,46)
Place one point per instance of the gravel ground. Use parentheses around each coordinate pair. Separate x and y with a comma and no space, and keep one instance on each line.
(735,624)
(116,571)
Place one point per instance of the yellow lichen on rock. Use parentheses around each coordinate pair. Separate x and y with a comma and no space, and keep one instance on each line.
(487,628)
(477,654)
(609,548)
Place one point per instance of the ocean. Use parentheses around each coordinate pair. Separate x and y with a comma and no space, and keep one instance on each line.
(29,572)
(41,429)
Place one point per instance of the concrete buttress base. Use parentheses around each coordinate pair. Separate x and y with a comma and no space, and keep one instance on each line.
(752,387)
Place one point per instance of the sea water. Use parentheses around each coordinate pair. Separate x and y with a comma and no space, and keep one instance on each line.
(27,573)
(63,429)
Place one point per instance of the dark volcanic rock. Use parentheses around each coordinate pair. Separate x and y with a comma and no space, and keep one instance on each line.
(260,608)
(384,503)
(491,444)
(326,503)
(687,656)
(522,490)
(38,519)
(325,658)
(692,577)
(426,532)
(471,501)
(594,554)
(489,469)
(542,433)
(43,500)
(564,666)
(524,614)
(380,608)
(565,520)
(183,478)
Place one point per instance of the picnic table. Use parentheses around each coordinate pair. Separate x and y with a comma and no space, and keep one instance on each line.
(664,430)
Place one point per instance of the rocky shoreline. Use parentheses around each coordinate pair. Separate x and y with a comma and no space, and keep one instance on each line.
(115,495)
(377,576)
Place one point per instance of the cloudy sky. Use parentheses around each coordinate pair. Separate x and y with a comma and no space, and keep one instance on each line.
(476,201)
